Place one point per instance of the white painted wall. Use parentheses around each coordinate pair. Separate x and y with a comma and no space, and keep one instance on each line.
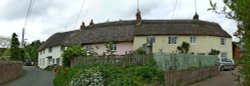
(43,55)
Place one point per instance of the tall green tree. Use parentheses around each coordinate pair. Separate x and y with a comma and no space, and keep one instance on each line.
(31,50)
(239,11)
(15,50)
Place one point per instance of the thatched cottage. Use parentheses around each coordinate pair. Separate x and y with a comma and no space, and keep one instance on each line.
(130,35)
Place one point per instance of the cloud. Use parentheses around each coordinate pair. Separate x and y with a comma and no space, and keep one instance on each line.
(51,16)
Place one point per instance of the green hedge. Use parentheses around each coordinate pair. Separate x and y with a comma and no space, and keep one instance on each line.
(112,75)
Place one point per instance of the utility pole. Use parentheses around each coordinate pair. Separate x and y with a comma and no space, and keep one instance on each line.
(22,41)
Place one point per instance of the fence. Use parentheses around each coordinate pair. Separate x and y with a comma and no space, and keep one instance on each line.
(172,61)
(128,60)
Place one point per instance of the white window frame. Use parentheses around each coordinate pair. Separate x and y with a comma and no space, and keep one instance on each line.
(50,49)
(62,48)
(223,55)
(150,39)
(88,47)
(222,41)
(172,39)
(193,39)
(114,47)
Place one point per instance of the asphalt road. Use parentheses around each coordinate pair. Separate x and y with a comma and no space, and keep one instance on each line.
(224,78)
(33,77)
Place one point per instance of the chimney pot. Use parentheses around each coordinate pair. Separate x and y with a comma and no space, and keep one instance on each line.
(91,22)
(138,17)
(196,16)
(82,26)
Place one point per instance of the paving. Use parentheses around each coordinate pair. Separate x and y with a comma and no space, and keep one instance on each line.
(224,78)
(33,77)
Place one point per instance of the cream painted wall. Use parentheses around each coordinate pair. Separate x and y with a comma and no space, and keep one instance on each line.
(121,48)
(203,44)
(43,61)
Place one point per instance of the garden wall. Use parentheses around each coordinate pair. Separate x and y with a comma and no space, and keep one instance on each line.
(184,77)
(10,70)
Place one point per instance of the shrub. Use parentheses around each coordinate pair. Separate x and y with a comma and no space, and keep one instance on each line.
(90,77)
(71,52)
(108,75)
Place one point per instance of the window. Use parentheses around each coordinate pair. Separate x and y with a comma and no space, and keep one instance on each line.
(222,41)
(43,51)
(88,47)
(150,39)
(192,39)
(43,60)
(40,52)
(62,48)
(50,49)
(114,47)
(172,40)
(57,61)
(223,54)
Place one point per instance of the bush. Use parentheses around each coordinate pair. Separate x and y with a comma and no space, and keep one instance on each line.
(71,52)
(90,77)
(106,75)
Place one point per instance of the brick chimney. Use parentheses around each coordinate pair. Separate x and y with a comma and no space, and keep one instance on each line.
(196,16)
(138,18)
(82,26)
(91,22)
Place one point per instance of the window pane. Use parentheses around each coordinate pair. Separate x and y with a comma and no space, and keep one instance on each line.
(222,41)
(192,39)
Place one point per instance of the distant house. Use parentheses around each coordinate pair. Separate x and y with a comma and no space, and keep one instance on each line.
(50,51)
(128,36)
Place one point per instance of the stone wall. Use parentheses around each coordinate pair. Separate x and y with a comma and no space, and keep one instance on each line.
(10,70)
(184,77)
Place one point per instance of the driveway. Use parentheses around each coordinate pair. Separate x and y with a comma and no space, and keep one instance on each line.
(224,78)
(33,77)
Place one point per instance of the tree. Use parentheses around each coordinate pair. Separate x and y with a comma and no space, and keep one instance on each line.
(15,51)
(214,52)
(31,50)
(109,49)
(239,11)
(72,52)
(184,48)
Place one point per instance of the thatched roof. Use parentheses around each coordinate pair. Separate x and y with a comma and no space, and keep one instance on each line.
(180,27)
(124,31)
(58,39)
(120,31)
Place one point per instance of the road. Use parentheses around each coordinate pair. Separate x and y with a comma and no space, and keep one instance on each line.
(224,78)
(33,77)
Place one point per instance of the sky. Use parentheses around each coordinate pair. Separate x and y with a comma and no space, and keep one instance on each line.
(48,17)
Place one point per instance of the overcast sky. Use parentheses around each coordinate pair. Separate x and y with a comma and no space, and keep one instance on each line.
(50,16)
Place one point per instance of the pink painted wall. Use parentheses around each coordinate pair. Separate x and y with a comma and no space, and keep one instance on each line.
(121,48)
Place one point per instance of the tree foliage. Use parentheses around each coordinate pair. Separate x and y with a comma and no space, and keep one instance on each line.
(31,50)
(239,11)
(72,52)
(184,48)
(109,47)
(214,52)
(15,50)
